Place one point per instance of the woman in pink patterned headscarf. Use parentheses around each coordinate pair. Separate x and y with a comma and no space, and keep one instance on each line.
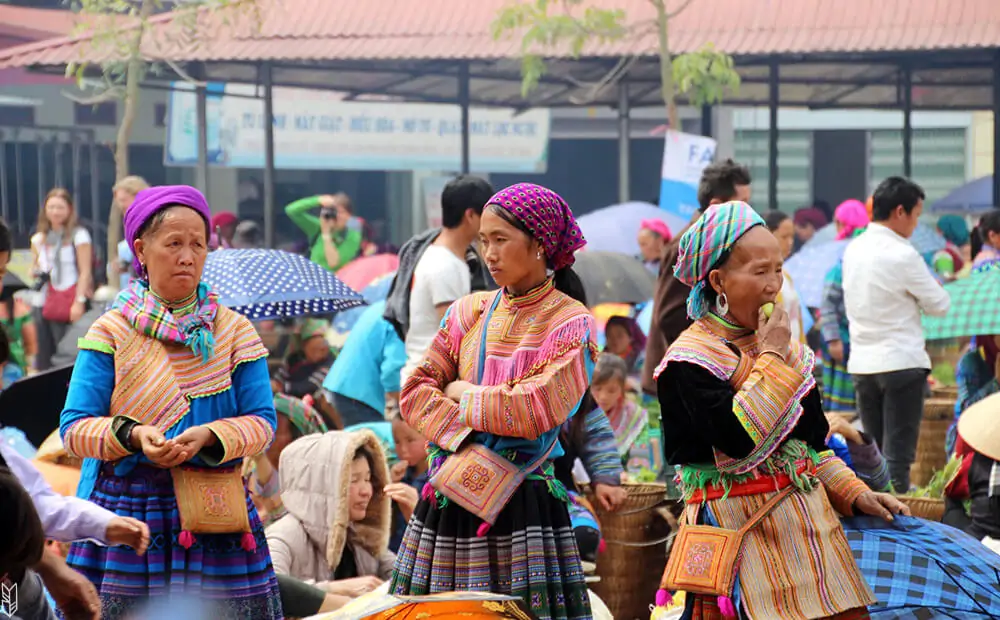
(653,236)
(505,371)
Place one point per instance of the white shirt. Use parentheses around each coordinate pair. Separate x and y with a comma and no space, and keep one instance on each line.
(440,277)
(886,285)
(61,266)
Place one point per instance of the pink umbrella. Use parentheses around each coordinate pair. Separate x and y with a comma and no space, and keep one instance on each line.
(360,272)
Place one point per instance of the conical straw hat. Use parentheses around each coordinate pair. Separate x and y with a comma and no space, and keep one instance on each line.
(979,426)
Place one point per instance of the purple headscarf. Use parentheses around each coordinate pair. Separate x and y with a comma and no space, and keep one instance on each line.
(150,201)
(547,216)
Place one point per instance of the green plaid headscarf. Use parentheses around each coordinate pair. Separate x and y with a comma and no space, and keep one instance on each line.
(706,243)
(303,417)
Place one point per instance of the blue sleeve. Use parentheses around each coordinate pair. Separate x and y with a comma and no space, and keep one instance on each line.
(252,386)
(90,389)
(393,359)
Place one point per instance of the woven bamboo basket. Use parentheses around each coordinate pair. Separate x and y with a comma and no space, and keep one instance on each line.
(930,455)
(937,408)
(929,508)
(949,392)
(635,554)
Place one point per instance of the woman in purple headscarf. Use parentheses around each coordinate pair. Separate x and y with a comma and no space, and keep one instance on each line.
(169,394)
(505,371)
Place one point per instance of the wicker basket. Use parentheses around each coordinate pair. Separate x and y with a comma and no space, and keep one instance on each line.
(928,508)
(632,563)
(948,392)
(939,409)
(930,455)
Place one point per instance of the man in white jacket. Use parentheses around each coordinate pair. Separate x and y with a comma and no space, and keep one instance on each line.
(887,285)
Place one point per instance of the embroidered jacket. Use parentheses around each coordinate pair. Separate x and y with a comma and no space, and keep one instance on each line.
(157,383)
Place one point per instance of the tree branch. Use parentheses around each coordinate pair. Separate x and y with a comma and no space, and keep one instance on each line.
(679,10)
(112,94)
(183,74)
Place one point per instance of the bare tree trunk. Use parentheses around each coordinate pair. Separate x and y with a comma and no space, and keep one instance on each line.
(130,109)
(666,67)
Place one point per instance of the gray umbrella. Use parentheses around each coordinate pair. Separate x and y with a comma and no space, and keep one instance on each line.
(612,277)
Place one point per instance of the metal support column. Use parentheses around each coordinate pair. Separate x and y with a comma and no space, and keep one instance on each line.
(74,145)
(772,138)
(201,93)
(907,85)
(996,130)
(95,188)
(268,156)
(706,121)
(624,140)
(463,102)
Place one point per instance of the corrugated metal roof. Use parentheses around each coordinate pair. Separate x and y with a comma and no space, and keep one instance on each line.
(456,29)
(33,24)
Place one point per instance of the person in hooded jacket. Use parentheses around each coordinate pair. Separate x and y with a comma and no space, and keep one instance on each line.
(336,530)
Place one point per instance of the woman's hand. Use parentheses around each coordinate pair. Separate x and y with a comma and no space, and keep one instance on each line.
(194,439)
(130,532)
(455,389)
(611,498)
(881,505)
(354,587)
(73,593)
(775,333)
(398,471)
(836,348)
(76,311)
(161,451)
(838,424)
(404,495)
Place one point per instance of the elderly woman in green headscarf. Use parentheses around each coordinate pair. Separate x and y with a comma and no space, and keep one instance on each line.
(295,419)
(953,261)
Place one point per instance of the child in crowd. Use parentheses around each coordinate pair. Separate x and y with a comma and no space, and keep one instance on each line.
(860,453)
(408,477)
(637,443)
(624,338)
(587,436)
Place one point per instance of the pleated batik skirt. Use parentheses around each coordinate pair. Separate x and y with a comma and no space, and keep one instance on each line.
(219,577)
(530,552)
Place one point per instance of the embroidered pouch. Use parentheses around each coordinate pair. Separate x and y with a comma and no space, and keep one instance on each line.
(705,559)
(211,501)
(482,481)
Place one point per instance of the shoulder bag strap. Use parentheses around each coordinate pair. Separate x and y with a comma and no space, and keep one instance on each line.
(765,510)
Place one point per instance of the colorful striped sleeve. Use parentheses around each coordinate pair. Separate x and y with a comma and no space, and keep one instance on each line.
(599,452)
(422,401)
(86,428)
(543,401)
(252,430)
(842,486)
(768,405)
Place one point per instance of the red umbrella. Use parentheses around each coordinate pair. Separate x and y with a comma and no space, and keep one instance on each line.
(360,272)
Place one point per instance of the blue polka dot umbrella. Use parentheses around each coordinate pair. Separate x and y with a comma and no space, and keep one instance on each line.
(272,284)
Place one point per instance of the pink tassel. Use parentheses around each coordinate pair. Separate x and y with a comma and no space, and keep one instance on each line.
(249,543)
(186,539)
(602,546)
(427,492)
(726,607)
(483,529)
(663,598)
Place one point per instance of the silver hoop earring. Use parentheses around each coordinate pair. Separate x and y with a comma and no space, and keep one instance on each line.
(722,305)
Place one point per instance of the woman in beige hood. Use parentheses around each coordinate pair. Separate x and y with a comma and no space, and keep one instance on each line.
(336,530)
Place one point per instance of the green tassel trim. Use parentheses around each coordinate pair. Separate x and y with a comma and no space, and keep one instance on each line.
(782,461)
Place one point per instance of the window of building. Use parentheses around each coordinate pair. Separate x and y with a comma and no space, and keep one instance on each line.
(794,165)
(939,158)
(17,115)
(102,114)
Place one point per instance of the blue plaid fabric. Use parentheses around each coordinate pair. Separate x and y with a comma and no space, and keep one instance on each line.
(920,569)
